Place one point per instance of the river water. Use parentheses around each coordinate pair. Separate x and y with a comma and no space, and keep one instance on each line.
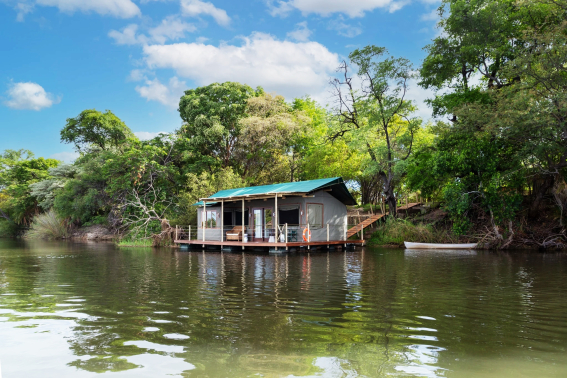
(90,310)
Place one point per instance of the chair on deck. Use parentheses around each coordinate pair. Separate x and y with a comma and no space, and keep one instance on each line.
(235,234)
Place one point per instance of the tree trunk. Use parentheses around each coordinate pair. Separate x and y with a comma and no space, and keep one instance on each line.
(539,192)
(391,199)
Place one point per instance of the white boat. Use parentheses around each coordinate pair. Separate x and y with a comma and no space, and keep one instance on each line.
(410,245)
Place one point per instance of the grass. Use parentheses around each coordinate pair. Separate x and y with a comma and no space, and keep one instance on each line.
(396,231)
(131,241)
(48,226)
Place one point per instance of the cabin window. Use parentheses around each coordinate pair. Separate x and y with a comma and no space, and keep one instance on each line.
(289,215)
(315,215)
(227,218)
(211,219)
(238,217)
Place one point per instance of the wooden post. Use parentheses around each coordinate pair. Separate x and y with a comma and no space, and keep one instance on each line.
(275,220)
(204,220)
(222,221)
(308,237)
(362,231)
(243,228)
(189,237)
(176,228)
(327,235)
(286,236)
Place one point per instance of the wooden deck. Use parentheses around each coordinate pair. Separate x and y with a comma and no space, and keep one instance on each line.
(270,245)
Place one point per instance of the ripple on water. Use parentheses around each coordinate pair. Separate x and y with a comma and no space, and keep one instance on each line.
(176,336)
(150,329)
(159,321)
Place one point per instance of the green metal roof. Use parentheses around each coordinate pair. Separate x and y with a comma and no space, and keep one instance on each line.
(339,190)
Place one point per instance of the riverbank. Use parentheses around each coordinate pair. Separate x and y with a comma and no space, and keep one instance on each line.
(430,224)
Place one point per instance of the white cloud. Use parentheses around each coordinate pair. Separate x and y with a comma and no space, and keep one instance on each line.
(66,157)
(195,8)
(171,28)
(343,28)
(352,8)
(127,36)
(288,68)
(431,16)
(116,8)
(137,75)
(147,135)
(418,95)
(168,95)
(23,8)
(301,33)
(30,96)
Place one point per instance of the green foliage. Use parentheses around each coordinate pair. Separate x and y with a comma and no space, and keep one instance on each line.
(134,241)
(18,170)
(8,229)
(94,129)
(202,186)
(378,116)
(44,191)
(273,136)
(48,226)
(458,204)
(315,155)
(212,126)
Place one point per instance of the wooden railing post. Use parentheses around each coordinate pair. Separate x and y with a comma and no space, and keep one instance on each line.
(189,236)
(204,219)
(308,236)
(327,231)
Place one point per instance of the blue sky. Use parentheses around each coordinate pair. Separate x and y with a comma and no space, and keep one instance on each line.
(135,57)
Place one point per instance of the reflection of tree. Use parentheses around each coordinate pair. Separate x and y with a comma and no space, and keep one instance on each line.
(251,314)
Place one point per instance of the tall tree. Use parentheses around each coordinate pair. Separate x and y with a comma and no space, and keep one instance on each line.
(271,138)
(211,123)
(378,112)
(94,129)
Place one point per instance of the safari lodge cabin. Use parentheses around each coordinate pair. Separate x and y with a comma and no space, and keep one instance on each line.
(278,217)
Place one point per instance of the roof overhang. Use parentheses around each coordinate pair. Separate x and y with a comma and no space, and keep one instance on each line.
(334,187)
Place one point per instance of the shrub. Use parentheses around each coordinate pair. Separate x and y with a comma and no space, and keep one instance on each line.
(48,226)
(396,231)
(8,229)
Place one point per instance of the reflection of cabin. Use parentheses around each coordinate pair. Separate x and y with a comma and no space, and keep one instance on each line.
(284,215)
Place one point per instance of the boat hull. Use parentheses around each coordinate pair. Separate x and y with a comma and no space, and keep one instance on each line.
(410,245)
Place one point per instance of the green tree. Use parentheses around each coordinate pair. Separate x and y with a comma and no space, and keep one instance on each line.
(211,123)
(203,186)
(314,156)
(93,129)
(378,113)
(271,139)
(18,170)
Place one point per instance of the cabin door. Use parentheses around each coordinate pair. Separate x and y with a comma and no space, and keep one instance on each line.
(258,223)
(262,222)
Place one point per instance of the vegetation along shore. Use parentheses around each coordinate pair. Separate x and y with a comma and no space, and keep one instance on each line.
(490,168)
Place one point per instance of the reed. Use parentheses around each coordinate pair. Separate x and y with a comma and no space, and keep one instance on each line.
(396,231)
(132,241)
(48,226)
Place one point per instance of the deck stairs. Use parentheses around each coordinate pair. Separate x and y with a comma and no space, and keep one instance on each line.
(374,218)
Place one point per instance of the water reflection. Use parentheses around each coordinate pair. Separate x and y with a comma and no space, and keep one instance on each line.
(80,309)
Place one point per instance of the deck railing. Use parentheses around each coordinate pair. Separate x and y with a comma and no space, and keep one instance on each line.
(284,233)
